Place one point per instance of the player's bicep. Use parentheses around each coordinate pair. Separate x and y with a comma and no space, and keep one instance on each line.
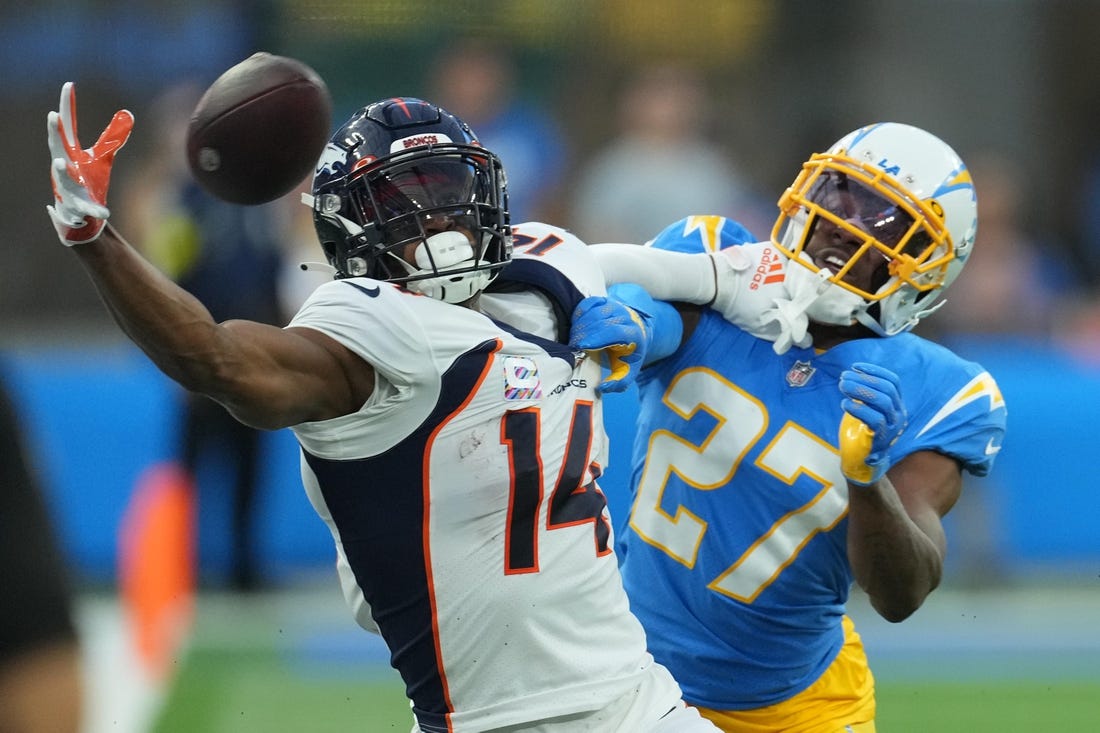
(293,375)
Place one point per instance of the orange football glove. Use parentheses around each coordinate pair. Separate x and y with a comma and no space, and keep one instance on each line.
(80,177)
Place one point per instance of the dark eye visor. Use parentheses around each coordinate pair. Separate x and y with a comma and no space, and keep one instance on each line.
(855,203)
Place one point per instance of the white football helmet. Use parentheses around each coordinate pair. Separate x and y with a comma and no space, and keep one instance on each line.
(904,195)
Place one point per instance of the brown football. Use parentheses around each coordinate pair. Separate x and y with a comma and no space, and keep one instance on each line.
(259,129)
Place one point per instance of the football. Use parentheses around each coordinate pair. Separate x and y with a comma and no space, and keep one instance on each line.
(258,130)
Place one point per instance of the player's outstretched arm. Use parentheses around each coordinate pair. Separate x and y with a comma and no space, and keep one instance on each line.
(896,541)
(266,376)
(728,280)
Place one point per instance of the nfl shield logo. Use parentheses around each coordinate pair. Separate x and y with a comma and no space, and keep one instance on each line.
(800,373)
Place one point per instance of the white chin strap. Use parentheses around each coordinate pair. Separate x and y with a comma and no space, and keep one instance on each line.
(447,250)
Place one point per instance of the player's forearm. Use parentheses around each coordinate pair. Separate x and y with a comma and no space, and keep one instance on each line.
(892,559)
(169,324)
(687,278)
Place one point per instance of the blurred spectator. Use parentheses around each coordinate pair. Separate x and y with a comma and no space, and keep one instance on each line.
(1077,331)
(660,166)
(41,690)
(1014,284)
(477,81)
(1088,223)
(231,258)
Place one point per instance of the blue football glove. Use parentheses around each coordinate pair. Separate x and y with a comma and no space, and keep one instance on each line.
(874,418)
(663,323)
(605,326)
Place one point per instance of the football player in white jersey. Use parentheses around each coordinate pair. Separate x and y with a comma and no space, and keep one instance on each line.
(768,477)
(451,436)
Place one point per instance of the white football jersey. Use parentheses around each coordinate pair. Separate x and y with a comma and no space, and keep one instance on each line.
(462,497)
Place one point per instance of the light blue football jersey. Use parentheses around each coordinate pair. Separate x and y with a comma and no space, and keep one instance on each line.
(734,556)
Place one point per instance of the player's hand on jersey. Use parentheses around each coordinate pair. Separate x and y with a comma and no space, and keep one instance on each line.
(621,333)
(750,293)
(874,418)
(789,324)
(80,177)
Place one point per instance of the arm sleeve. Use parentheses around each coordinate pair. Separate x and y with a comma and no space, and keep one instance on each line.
(688,278)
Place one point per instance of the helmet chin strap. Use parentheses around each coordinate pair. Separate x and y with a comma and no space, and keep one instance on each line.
(865,318)
(443,251)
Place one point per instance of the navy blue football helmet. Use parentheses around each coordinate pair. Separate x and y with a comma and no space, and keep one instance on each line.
(404,172)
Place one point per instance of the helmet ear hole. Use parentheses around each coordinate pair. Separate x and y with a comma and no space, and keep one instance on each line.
(356,266)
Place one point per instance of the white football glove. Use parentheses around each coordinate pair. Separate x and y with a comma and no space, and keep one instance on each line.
(750,292)
(80,178)
(758,289)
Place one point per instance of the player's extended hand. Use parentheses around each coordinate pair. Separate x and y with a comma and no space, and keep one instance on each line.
(602,324)
(751,295)
(874,418)
(80,177)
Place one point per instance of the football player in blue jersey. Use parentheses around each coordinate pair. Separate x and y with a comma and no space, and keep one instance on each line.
(449,418)
(795,437)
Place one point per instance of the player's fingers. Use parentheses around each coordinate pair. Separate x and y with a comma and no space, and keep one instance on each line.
(61,174)
(886,380)
(621,361)
(67,112)
(74,195)
(53,136)
(598,323)
(858,386)
(865,413)
(881,391)
(115,134)
(602,339)
(875,370)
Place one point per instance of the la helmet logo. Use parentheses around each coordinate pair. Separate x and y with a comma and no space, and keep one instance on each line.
(800,373)
(891,168)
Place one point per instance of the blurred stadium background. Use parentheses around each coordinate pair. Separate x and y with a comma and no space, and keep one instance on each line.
(1012,640)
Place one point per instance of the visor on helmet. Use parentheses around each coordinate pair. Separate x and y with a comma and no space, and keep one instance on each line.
(423,185)
(401,199)
(852,202)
